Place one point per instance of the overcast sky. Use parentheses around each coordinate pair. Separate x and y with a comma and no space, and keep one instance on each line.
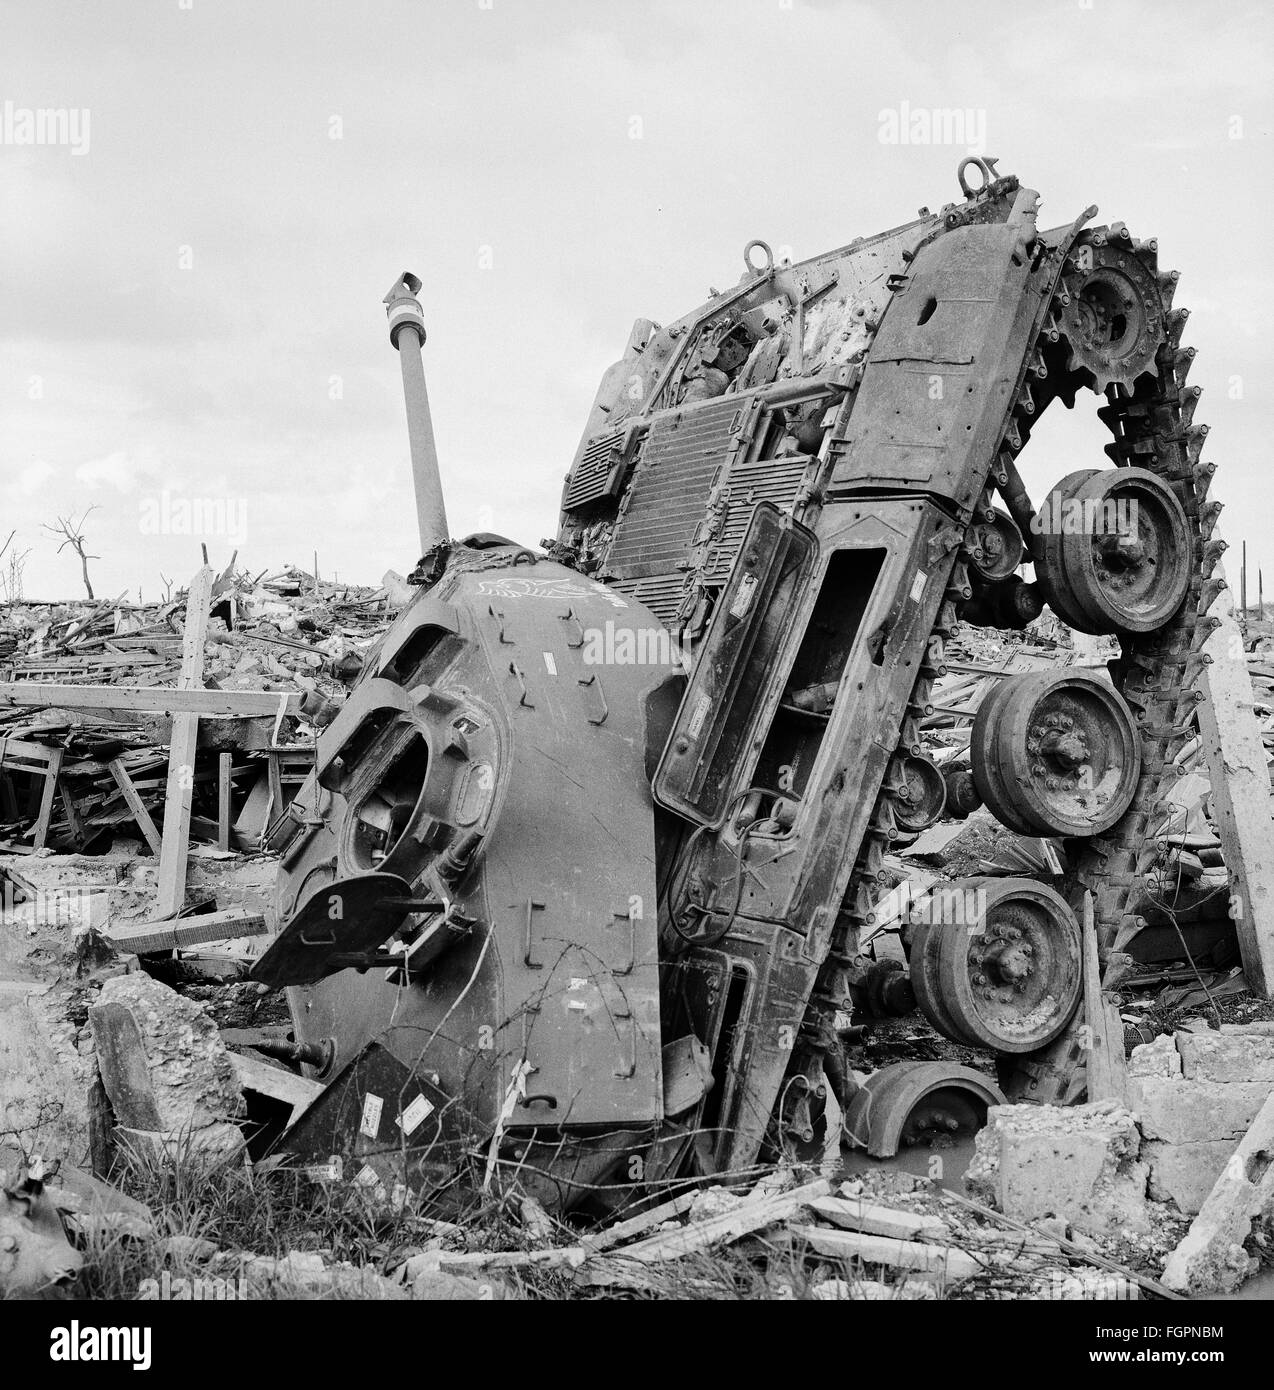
(190,287)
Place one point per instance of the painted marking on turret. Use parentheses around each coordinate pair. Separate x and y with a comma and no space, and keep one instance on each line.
(516,586)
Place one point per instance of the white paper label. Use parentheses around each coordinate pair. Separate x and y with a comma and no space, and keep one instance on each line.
(701,713)
(420,1109)
(918,585)
(743,598)
(367,1176)
(372,1106)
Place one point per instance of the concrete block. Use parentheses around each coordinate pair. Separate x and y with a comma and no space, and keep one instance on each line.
(1227,1057)
(206,1148)
(1212,1258)
(1079,1163)
(1185,1173)
(162,1060)
(1157,1058)
(1192,1112)
(44,1079)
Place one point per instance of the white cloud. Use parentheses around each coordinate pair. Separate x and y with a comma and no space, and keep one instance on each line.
(31,479)
(119,470)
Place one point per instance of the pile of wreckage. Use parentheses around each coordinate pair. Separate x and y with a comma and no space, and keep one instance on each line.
(93,694)
(145,752)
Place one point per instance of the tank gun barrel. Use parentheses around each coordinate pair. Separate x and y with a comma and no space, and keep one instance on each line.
(407,334)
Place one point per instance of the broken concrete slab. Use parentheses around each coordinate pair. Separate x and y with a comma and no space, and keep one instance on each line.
(1211,1258)
(1191,1112)
(1185,1173)
(164,1066)
(209,1147)
(1227,1057)
(1157,1058)
(1080,1163)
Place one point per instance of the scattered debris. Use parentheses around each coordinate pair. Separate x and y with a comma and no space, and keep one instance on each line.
(170,1080)
(35,1256)
(1212,1257)
(1196,1094)
(1080,1163)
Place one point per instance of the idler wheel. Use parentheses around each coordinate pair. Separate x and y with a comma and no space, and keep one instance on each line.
(922,795)
(1114,551)
(908,1102)
(1004,969)
(1056,753)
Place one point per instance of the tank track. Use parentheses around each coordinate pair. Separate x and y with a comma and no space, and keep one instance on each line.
(1151,420)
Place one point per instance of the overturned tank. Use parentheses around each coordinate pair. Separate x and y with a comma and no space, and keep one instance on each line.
(583,886)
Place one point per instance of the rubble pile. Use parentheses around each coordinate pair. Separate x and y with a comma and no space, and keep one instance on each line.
(1086,1202)
(281,633)
(1196,1093)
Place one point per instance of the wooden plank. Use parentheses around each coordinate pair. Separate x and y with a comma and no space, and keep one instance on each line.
(147,938)
(751,1215)
(46,800)
(136,806)
(1241,799)
(636,1225)
(255,1074)
(175,843)
(854,1214)
(73,820)
(149,699)
(1107,1075)
(473,1261)
(881,1250)
(225,765)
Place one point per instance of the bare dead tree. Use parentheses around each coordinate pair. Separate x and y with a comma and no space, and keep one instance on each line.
(74,537)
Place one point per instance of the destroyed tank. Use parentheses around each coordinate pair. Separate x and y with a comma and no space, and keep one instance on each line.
(590,887)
